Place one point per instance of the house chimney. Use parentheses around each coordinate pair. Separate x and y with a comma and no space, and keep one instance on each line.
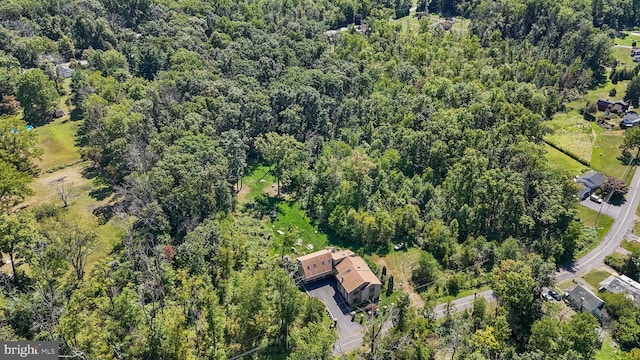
(342,280)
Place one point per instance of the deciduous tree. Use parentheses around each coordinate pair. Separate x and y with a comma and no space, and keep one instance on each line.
(37,95)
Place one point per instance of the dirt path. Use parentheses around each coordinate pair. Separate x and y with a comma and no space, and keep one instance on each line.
(400,272)
(242,194)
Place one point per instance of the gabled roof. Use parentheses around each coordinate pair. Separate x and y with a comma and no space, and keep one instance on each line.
(604,102)
(353,272)
(591,179)
(316,263)
(583,297)
(337,256)
(630,117)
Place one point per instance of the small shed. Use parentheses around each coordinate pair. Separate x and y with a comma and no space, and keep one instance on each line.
(59,113)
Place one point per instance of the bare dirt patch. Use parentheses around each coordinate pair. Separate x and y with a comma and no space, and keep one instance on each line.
(242,194)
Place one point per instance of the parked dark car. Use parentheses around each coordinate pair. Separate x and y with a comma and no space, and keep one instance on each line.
(554,295)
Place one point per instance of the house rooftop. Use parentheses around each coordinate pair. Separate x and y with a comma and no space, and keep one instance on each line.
(622,284)
(316,263)
(354,272)
(338,255)
(584,298)
(591,179)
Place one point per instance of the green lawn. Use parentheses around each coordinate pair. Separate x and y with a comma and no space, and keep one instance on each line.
(630,245)
(559,160)
(252,185)
(623,55)
(290,216)
(599,93)
(588,218)
(595,277)
(58,141)
(628,39)
(572,133)
(636,225)
(606,150)
(608,351)
(563,285)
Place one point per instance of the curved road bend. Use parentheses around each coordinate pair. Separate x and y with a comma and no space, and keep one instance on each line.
(609,244)
(611,241)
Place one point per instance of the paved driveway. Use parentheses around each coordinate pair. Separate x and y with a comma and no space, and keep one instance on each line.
(350,332)
(604,208)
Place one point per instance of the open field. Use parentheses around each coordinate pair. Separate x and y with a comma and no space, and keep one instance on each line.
(58,140)
(400,264)
(606,150)
(572,133)
(601,92)
(630,245)
(560,160)
(594,277)
(627,40)
(588,218)
(61,164)
(623,55)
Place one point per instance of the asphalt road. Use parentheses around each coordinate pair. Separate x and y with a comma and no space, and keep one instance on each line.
(463,303)
(623,215)
(611,241)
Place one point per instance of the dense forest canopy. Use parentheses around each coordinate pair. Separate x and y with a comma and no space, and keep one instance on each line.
(428,137)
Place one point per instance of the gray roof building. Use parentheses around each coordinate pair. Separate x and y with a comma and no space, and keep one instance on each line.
(591,180)
(622,284)
(584,300)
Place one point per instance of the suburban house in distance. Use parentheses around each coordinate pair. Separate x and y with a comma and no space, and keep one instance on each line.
(356,283)
(591,181)
(630,119)
(617,107)
(622,284)
(582,299)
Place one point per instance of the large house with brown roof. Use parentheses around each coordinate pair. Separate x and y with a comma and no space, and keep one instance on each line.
(355,281)
(316,266)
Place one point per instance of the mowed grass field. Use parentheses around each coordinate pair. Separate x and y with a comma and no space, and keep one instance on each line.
(58,141)
(61,162)
(606,154)
(571,132)
(623,56)
(628,39)
(589,217)
(595,277)
(561,161)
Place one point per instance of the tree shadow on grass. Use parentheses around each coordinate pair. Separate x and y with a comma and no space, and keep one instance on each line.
(104,213)
(101,193)
(76,115)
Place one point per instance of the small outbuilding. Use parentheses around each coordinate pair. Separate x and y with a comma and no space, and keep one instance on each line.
(59,113)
